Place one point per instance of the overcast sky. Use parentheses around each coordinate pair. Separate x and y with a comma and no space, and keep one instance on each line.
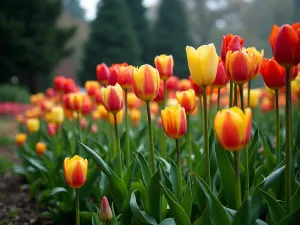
(90,7)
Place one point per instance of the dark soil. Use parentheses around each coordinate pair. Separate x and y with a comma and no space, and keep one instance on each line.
(16,207)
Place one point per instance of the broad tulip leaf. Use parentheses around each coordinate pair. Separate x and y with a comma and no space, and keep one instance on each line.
(155,196)
(227,175)
(252,154)
(232,213)
(212,150)
(292,218)
(37,164)
(174,179)
(188,198)
(297,137)
(141,215)
(92,177)
(146,173)
(180,216)
(129,174)
(201,220)
(242,216)
(295,199)
(269,156)
(275,209)
(58,190)
(169,221)
(215,206)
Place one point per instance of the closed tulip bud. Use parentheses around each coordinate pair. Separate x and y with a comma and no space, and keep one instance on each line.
(285,43)
(33,125)
(112,97)
(94,128)
(103,112)
(40,148)
(187,100)
(105,213)
(76,101)
(59,82)
(221,76)
(174,121)
(197,89)
(83,123)
(20,139)
(133,101)
(51,129)
(135,115)
(75,171)
(57,115)
(102,72)
(172,83)
(184,85)
(86,106)
(273,74)
(231,43)
(233,128)
(164,64)
(114,70)
(203,64)
(238,67)
(257,57)
(91,87)
(160,95)
(119,118)
(69,86)
(146,82)
(125,77)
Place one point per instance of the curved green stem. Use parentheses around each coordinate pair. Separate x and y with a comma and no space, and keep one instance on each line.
(288,175)
(219,96)
(277,129)
(190,163)
(118,146)
(77,207)
(237,180)
(249,92)
(235,101)
(150,137)
(163,135)
(179,176)
(127,149)
(206,145)
(230,93)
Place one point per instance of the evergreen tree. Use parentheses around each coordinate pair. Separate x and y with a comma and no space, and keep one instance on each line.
(112,39)
(170,35)
(31,43)
(141,27)
(74,8)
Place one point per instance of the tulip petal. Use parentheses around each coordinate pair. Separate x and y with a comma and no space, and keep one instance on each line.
(272,38)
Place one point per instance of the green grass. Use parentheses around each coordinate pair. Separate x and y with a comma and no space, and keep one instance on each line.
(5,164)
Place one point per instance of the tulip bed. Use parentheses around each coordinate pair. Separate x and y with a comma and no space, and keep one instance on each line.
(143,147)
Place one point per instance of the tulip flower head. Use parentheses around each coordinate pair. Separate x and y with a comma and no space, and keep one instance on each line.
(112,97)
(57,115)
(164,64)
(187,100)
(33,125)
(59,82)
(160,95)
(133,101)
(233,128)
(119,118)
(105,213)
(174,121)
(103,112)
(40,148)
(114,75)
(135,115)
(146,82)
(257,57)
(197,89)
(91,87)
(203,64)
(221,76)
(21,139)
(69,85)
(172,83)
(75,171)
(125,77)
(51,129)
(102,72)
(285,43)
(184,85)
(231,43)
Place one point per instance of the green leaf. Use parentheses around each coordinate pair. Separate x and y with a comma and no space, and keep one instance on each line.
(92,177)
(154,197)
(169,221)
(243,214)
(146,173)
(292,218)
(174,178)
(215,206)
(269,156)
(129,174)
(232,213)
(86,217)
(295,199)
(213,158)
(58,190)
(180,216)
(227,175)
(297,137)
(201,220)
(37,164)
(188,198)
(275,209)
(143,216)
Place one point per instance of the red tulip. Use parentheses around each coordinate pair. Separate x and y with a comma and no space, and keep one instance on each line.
(221,77)
(231,43)
(102,72)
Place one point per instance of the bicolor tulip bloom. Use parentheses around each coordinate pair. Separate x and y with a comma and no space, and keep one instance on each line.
(69,85)
(285,43)
(203,64)
(133,101)
(57,115)
(232,43)
(75,171)
(91,87)
(174,121)
(33,125)
(221,77)
(172,83)
(125,77)
(184,85)
(238,67)
(233,128)
(114,70)
(146,82)
(21,139)
(164,64)
(105,213)
(273,74)
(197,89)
(112,97)
(76,101)
(257,57)
(102,72)
(40,148)
(187,100)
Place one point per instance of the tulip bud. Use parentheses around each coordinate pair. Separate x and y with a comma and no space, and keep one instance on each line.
(102,73)
(20,139)
(33,125)
(75,171)
(105,211)
(57,115)
(83,123)
(94,128)
(112,98)
(160,95)
(221,76)
(231,43)
(69,86)
(164,64)
(197,89)
(91,87)
(59,82)
(187,100)
(40,148)
(184,85)
(172,83)
(51,129)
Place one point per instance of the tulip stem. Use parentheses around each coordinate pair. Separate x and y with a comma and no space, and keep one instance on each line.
(163,140)
(206,146)
(179,176)
(201,112)
(150,137)
(230,93)
(189,143)
(277,129)
(118,146)
(235,101)
(249,92)
(237,180)
(288,177)
(218,105)
(127,149)
(77,206)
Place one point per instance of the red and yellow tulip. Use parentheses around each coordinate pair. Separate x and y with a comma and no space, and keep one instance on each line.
(187,100)
(112,97)
(257,57)
(164,64)
(40,148)
(75,171)
(232,43)
(102,72)
(20,139)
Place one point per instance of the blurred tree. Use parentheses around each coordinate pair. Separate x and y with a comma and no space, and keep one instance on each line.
(170,34)
(141,27)
(31,43)
(74,7)
(112,39)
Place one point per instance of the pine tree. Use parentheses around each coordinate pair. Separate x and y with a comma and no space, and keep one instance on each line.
(112,39)
(141,27)
(74,8)
(170,35)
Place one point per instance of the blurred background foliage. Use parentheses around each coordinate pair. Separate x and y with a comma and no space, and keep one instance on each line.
(44,38)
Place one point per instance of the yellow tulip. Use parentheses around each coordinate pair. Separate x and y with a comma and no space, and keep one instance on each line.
(21,139)
(33,125)
(257,57)
(57,115)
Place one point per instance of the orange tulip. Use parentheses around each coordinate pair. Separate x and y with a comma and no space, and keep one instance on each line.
(174,121)
(40,148)
(135,116)
(133,101)
(75,171)
(59,82)
(114,70)
(187,100)
(257,58)
(112,97)
(233,128)
(164,64)
(21,139)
